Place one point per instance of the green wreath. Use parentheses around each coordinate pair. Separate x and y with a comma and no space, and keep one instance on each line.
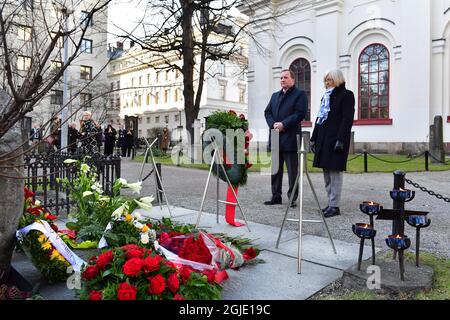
(223,120)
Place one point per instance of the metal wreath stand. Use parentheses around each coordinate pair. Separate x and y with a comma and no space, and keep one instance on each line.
(303,169)
(217,157)
(158,181)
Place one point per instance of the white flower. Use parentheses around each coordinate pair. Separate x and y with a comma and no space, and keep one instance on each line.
(152,233)
(118,212)
(69,161)
(103,198)
(84,167)
(135,187)
(37,203)
(87,193)
(97,187)
(123,181)
(145,203)
(145,238)
(136,215)
(156,244)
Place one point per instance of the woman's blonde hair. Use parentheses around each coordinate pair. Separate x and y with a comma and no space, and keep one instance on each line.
(336,75)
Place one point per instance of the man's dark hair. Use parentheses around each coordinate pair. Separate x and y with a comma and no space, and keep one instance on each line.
(290,72)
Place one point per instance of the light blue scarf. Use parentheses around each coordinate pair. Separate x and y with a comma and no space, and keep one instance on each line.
(324,106)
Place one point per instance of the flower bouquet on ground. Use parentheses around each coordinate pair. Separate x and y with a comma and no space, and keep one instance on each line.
(38,238)
(133,272)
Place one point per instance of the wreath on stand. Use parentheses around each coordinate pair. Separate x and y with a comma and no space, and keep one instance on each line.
(223,121)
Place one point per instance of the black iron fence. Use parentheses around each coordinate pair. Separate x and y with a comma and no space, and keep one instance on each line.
(42,171)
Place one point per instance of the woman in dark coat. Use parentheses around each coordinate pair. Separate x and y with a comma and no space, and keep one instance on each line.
(330,140)
(110,139)
(129,141)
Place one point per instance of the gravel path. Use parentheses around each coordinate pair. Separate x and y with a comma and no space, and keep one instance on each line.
(185,189)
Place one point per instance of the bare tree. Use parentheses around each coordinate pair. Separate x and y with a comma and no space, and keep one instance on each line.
(195,32)
(30,35)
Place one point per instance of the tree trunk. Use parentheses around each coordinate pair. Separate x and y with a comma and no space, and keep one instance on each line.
(11,200)
(190,110)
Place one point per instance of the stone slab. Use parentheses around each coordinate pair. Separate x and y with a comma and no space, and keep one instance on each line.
(277,279)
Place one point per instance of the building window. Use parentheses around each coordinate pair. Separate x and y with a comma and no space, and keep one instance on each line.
(24,33)
(157,119)
(167,75)
(177,118)
(222,92)
(140,80)
(157,76)
(85,100)
(157,98)
(132,82)
(166,96)
(139,120)
(118,102)
(302,71)
(166,119)
(86,46)
(149,132)
(373,93)
(149,79)
(111,103)
(85,72)
(148,119)
(221,69)
(84,19)
(241,95)
(56,97)
(118,84)
(23,63)
(148,99)
(56,66)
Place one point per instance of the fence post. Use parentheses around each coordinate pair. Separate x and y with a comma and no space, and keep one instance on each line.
(426,160)
(365,162)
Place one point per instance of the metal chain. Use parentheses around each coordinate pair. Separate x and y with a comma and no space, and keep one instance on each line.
(430,192)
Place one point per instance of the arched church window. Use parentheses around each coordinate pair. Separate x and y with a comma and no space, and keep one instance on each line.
(373,91)
(302,71)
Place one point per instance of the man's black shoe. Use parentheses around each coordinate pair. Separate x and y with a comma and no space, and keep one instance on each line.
(325,209)
(293,205)
(331,212)
(272,202)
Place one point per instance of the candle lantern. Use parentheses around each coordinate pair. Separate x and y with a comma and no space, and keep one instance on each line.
(364,231)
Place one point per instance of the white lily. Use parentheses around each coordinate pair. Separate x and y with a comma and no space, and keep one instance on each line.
(123,181)
(138,225)
(137,215)
(118,212)
(145,203)
(135,187)
(69,161)
(87,193)
(145,238)
(84,167)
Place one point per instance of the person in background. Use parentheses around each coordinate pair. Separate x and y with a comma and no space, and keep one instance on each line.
(88,133)
(35,135)
(99,136)
(129,142)
(73,136)
(330,140)
(110,139)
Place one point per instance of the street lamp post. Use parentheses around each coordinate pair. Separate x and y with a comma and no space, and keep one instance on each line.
(64,111)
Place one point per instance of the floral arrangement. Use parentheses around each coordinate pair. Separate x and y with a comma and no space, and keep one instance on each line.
(133,272)
(45,257)
(223,121)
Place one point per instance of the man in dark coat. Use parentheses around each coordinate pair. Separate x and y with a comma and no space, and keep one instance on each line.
(74,135)
(330,140)
(284,113)
(110,139)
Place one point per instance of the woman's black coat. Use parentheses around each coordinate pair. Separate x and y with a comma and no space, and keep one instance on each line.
(338,126)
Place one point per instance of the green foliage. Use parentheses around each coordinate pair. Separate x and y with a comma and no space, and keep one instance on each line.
(198,288)
(123,233)
(92,231)
(222,120)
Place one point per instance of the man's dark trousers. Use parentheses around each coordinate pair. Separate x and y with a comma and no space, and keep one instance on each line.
(291,160)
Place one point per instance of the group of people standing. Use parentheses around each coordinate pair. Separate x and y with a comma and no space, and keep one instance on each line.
(89,139)
(330,140)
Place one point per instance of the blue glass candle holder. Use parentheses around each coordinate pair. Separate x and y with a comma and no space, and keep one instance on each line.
(370,207)
(364,231)
(398,242)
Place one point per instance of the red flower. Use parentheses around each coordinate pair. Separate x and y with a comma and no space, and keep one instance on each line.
(104,259)
(173,283)
(163,237)
(128,247)
(54,227)
(49,216)
(186,273)
(210,274)
(157,285)
(126,291)
(175,234)
(72,234)
(132,267)
(249,254)
(91,272)
(135,253)
(178,297)
(195,250)
(232,112)
(95,295)
(242,116)
(28,193)
(151,263)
